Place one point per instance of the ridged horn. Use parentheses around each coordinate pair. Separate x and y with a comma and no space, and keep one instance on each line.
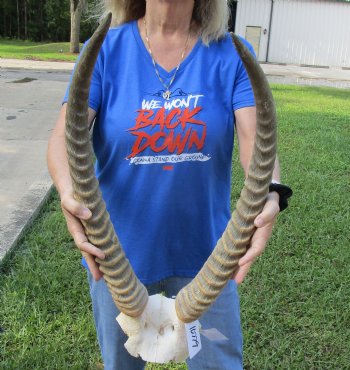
(195,298)
(128,293)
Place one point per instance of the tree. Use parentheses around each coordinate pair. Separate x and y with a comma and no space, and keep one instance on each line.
(57,20)
(46,20)
(18,23)
(76,10)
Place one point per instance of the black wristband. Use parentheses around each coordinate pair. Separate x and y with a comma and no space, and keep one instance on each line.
(284,191)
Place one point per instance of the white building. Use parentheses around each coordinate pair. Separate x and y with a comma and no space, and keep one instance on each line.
(306,32)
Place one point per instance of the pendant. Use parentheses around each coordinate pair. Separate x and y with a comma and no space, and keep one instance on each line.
(166,94)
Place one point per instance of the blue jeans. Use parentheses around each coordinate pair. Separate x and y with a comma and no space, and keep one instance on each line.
(222,315)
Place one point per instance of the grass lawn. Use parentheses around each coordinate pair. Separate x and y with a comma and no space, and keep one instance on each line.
(18,49)
(295,302)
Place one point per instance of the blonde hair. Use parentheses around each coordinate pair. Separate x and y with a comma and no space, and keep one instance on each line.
(211,15)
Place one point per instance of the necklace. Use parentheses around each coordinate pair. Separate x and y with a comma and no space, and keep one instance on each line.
(167,92)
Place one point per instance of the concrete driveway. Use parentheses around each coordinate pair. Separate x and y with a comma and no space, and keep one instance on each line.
(29,103)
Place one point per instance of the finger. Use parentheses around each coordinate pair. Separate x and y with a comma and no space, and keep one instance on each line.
(84,246)
(93,266)
(77,231)
(73,223)
(257,245)
(250,256)
(242,272)
(75,208)
(268,214)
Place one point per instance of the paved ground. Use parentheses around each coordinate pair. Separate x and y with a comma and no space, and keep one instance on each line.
(27,115)
(30,95)
(334,77)
(292,74)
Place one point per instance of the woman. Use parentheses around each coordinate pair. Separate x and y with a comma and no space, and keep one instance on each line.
(167,90)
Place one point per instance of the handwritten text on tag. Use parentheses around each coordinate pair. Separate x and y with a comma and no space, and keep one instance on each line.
(193,338)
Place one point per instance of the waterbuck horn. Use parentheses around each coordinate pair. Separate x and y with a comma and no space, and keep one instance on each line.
(128,293)
(195,298)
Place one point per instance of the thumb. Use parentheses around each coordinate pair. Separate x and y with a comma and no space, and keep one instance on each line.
(75,208)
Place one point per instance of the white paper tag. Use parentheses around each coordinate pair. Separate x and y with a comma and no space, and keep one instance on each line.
(193,338)
(213,334)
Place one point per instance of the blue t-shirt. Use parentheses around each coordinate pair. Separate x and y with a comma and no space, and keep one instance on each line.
(164,166)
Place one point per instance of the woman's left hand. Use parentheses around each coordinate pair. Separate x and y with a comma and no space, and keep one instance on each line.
(264,223)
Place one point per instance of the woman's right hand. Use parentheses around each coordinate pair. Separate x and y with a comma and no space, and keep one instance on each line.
(74,212)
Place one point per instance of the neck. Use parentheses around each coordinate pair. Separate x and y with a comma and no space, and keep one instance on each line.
(169,17)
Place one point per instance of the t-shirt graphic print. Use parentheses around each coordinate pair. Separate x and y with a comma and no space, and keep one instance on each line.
(169,131)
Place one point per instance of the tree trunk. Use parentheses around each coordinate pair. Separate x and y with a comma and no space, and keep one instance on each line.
(4,19)
(41,20)
(76,9)
(25,20)
(18,30)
